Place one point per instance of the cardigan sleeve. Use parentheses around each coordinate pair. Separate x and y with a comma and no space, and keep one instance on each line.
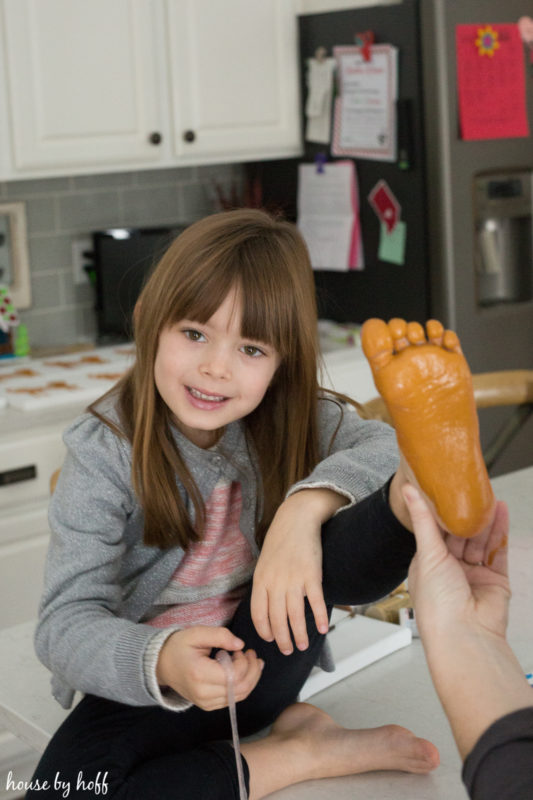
(358,456)
(82,635)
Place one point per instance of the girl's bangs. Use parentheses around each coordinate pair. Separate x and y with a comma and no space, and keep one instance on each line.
(267,314)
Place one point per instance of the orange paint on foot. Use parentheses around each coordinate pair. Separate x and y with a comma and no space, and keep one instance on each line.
(427,387)
(492,554)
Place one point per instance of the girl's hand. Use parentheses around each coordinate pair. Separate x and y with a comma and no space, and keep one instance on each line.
(290,568)
(458,583)
(184,665)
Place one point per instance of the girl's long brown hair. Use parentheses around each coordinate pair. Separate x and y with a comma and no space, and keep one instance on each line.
(267,261)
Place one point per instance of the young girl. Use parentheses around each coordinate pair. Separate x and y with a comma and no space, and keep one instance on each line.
(216,461)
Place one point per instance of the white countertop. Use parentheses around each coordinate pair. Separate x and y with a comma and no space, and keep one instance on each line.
(32,385)
(396,689)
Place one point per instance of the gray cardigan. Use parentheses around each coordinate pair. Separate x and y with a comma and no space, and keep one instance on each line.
(101,580)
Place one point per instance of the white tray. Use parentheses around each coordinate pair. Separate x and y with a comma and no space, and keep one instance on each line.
(356,642)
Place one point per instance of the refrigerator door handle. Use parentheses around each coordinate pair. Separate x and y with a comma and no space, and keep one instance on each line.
(488,245)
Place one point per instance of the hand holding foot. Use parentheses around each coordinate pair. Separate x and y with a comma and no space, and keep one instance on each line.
(461,611)
(427,386)
(451,592)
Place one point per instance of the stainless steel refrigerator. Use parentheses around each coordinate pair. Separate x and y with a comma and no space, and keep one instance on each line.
(466,204)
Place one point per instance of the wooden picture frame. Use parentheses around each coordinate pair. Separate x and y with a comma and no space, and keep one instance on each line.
(14,236)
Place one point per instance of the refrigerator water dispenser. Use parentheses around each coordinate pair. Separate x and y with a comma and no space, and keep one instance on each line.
(504,237)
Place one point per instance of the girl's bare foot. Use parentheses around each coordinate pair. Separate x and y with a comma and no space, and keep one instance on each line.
(305,744)
(427,387)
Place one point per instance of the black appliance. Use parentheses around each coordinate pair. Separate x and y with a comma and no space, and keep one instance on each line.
(122,259)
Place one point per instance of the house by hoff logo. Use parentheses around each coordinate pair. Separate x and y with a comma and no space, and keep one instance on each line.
(97,785)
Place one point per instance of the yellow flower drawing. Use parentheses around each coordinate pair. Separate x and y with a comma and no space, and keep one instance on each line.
(487,42)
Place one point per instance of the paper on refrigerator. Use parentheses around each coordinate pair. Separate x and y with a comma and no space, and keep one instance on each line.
(328,215)
(318,106)
(491,81)
(365,111)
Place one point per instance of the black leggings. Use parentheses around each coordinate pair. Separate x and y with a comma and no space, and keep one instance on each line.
(150,752)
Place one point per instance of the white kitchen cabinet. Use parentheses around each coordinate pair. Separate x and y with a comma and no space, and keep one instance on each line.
(233,78)
(81,79)
(30,445)
(124,84)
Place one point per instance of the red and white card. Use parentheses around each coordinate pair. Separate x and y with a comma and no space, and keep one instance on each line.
(385,204)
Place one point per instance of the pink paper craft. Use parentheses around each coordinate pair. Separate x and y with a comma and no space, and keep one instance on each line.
(385,204)
(491,82)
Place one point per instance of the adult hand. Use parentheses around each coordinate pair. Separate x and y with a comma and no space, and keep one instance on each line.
(457,581)
(289,569)
(461,612)
(185,665)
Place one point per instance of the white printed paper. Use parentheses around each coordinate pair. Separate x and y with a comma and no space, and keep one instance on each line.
(328,215)
(365,112)
(318,105)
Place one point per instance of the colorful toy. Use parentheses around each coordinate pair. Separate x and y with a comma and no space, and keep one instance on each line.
(9,320)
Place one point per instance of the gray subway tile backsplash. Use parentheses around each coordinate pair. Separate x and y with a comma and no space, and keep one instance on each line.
(50,252)
(197,199)
(152,206)
(153,176)
(71,321)
(73,293)
(58,210)
(22,189)
(88,210)
(111,179)
(47,291)
(40,213)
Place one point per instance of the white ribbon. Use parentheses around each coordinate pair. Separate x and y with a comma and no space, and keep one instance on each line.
(224,659)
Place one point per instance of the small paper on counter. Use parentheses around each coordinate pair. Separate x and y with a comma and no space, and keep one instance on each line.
(328,215)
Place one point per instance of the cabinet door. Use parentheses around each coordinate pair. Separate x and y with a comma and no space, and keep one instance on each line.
(82,82)
(233,81)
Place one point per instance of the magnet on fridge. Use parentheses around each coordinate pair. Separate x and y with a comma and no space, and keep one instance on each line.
(385,204)
(320,161)
(487,41)
(404,115)
(365,41)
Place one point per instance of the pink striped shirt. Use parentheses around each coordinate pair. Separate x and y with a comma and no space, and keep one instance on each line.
(210,581)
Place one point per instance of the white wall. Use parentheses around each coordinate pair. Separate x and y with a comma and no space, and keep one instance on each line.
(317,6)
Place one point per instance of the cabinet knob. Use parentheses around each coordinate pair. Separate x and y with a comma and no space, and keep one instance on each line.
(189,136)
(155,138)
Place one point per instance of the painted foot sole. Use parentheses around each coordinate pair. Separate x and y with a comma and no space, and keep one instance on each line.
(427,387)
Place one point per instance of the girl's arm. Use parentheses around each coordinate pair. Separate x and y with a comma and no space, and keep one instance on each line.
(359,460)
(289,569)
(82,634)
